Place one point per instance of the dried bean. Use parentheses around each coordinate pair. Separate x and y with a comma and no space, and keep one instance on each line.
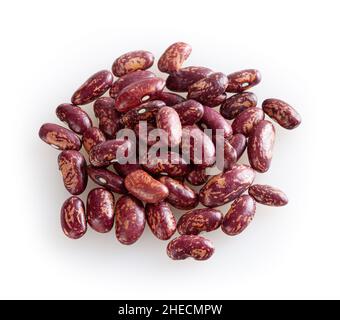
(242,80)
(169,98)
(268,195)
(174,56)
(237,103)
(92,137)
(197,176)
(239,142)
(247,120)
(189,111)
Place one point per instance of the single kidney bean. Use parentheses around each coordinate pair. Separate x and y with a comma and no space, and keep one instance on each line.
(226,186)
(93,88)
(239,142)
(237,103)
(138,92)
(230,155)
(212,103)
(169,98)
(100,210)
(127,79)
(268,195)
(130,219)
(76,118)
(167,165)
(109,118)
(180,195)
(72,165)
(238,217)
(132,61)
(145,188)
(125,169)
(213,120)
(247,120)
(189,111)
(105,153)
(199,220)
(168,120)
(181,80)
(186,246)
(260,146)
(173,57)
(285,115)
(145,112)
(242,80)
(107,179)
(73,218)
(59,137)
(197,176)
(200,146)
(161,220)
(208,89)
(91,137)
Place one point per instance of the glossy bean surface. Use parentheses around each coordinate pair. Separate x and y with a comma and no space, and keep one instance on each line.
(268,195)
(173,57)
(237,103)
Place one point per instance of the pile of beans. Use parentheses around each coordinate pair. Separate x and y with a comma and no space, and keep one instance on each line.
(149,190)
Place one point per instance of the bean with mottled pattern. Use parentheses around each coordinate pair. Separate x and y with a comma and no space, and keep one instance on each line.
(173,57)
(91,137)
(240,81)
(197,176)
(237,103)
(268,195)
(169,98)
(239,142)
(189,111)
(247,120)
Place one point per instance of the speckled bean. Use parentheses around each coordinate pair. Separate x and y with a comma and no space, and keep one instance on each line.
(173,57)
(247,120)
(197,176)
(145,188)
(239,142)
(169,98)
(59,137)
(100,210)
(230,155)
(226,186)
(131,62)
(76,118)
(240,214)
(214,102)
(145,137)
(268,195)
(93,88)
(260,146)
(237,103)
(125,169)
(186,246)
(199,220)
(91,137)
(130,219)
(285,115)
(161,220)
(189,112)
(242,80)
(138,92)
(72,166)
(73,218)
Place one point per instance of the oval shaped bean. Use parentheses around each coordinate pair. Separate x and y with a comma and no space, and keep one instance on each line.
(169,98)
(239,142)
(168,120)
(213,120)
(132,61)
(76,118)
(173,57)
(126,168)
(208,89)
(199,146)
(109,118)
(105,153)
(138,92)
(186,246)
(189,112)
(237,103)
(197,176)
(161,220)
(181,80)
(107,179)
(59,137)
(91,137)
(73,218)
(93,88)
(214,102)
(230,155)
(268,195)
(72,165)
(199,220)
(247,120)
(173,165)
(226,186)
(242,80)
(180,195)
(127,79)
(100,210)
(285,115)
(145,188)
(260,146)
(238,217)
(145,112)
(130,219)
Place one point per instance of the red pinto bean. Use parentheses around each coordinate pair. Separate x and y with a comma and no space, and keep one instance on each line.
(239,142)
(197,176)
(237,103)
(247,120)
(91,137)
(174,56)
(268,195)
(242,80)
(230,155)
(125,169)
(189,112)
(169,98)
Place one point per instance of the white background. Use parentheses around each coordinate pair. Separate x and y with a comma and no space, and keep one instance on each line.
(49,48)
